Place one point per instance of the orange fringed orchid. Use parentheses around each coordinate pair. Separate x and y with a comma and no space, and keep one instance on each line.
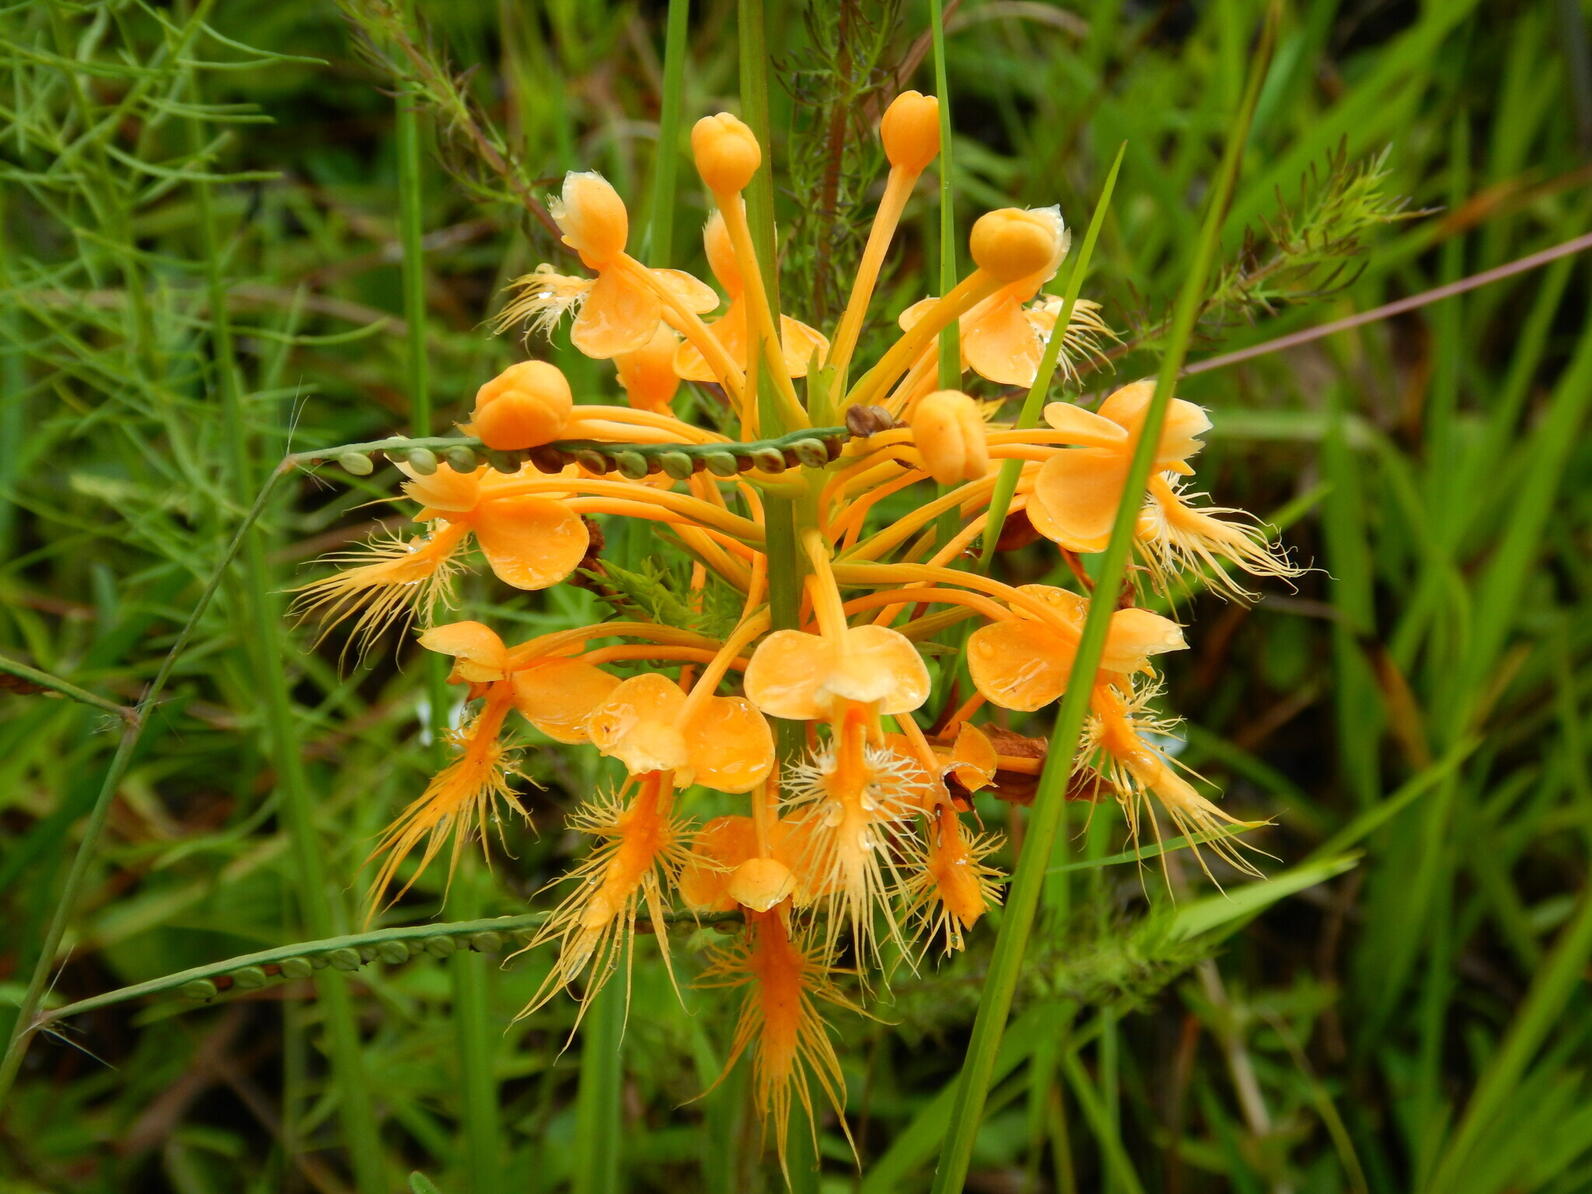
(858,833)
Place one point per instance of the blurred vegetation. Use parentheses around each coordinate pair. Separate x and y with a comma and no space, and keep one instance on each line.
(1402,1007)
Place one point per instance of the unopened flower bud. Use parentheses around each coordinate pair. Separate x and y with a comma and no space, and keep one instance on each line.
(1016,243)
(525,406)
(760,883)
(949,431)
(726,153)
(910,130)
(592,217)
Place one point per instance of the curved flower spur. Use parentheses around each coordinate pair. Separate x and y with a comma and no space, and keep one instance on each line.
(856,845)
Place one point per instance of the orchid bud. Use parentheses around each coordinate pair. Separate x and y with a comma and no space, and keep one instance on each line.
(1016,243)
(525,406)
(910,131)
(949,431)
(726,153)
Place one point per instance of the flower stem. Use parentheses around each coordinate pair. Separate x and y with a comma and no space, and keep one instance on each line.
(779,513)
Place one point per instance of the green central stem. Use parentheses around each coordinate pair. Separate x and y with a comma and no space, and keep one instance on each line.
(781,514)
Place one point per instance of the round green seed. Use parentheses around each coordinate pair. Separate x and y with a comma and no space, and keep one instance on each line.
(631,464)
(345,958)
(462,460)
(721,464)
(297,968)
(250,978)
(811,452)
(200,990)
(393,952)
(488,942)
(677,464)
(356,463)
(441,947)
(423,461)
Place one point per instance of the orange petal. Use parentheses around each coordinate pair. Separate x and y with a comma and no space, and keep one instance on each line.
(531,542)
(639,724)
(1185,422)
(1091,430)
(1072,607)
(801,343)
(479,652)
(760,883)
(785,675)
(619,315)
(914,314)
(879,664)
(1019,664)
(730,744)
(1078,491)
(718,848)
(730,330)
(1135,635)
(558,696)
(973,757)
(1002,345)
(694,294)
(648,374)
(443,489)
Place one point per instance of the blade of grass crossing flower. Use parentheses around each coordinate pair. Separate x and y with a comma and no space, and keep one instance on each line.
(1006,485)
(259,623)
(1028,882)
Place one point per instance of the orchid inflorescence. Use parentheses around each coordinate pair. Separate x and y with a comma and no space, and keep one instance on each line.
(854,842)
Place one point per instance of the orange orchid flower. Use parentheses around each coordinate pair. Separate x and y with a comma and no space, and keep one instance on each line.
(620,311)
(1023,663)
(721,742)
(1076,492)
(731,871)
(529,541)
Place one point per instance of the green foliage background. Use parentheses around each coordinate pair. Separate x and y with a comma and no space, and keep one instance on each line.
(1403,1005)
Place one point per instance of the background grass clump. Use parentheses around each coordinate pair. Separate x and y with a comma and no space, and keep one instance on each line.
(207,213)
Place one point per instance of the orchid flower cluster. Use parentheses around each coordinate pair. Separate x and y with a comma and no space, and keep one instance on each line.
(857,840)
